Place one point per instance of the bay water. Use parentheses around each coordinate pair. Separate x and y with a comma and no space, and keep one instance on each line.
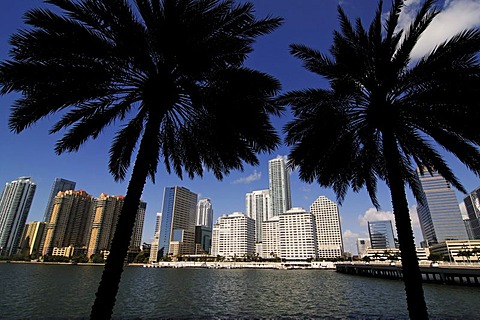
(37,291)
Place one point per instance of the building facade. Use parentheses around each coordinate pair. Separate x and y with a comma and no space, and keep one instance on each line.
(297,235)
(472,204)
(279,186)
(70,221)
(15,202)
(177,234)
(258,207)
(363,244)
(59,184)
(233,236)
(205,213)
(271,238)
(381,234)
(156,236)
(32,238)
(328,228)
(438,212)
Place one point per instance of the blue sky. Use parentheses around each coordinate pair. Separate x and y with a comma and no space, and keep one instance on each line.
(309,22)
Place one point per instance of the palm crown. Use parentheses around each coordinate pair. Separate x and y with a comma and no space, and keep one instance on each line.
(376,91)
(173,66)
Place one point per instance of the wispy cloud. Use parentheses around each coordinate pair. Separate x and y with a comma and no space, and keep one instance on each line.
(455,16)
(248,179)
(373,215)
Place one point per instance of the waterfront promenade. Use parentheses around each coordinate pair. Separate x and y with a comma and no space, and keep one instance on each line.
(443,273)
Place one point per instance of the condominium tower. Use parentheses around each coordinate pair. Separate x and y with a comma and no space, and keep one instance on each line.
(438,212)
(59,184)
(32,237)
(70,220)
(233,235)
(328,229)
(258,207)
(15,202)
(177,234)
(297,235)
(279,186)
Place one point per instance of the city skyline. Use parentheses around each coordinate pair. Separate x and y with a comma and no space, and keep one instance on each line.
(31,152)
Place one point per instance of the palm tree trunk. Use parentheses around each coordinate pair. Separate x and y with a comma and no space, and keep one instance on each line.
(107,291)
(417,308)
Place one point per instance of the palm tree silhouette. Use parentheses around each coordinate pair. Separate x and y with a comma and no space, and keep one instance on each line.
(170,70)
(384,115)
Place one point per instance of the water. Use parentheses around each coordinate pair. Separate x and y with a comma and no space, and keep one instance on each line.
(30,291)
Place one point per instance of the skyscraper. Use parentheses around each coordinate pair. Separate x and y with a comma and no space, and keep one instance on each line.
(279,186)
(59,184)
(329,232)
(105,217)
(15,202)
(156,236)
(70,220)
(472,204)
(233,235)
(439,214)
(257,205)
(177,234)
(381,234)
(297,235)
(205,213)
(32,237)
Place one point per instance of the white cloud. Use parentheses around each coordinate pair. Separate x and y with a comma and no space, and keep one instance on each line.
(455,16)
(246,180)
(373,215)
(350,241)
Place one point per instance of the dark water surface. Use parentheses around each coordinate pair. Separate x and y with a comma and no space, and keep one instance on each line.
(29,291)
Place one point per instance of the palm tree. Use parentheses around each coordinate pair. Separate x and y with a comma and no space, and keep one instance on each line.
(170,70)
(384,115)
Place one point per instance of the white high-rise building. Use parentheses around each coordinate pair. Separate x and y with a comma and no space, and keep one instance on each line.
(279,186)
(156,236)
(328,230)
(271,238)
(257,205)
(233,235)
(15,203)
(205,213)
(297,235)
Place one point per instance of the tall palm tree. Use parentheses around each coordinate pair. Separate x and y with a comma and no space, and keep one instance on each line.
(170,70)
(383,115)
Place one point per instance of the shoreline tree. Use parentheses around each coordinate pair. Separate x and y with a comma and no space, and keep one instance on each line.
(384,115)
(170,71)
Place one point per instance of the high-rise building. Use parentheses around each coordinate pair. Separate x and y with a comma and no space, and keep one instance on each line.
(70,221)
(279,186)
(59,184)
(203,239)
(205,213)
(363,244)
(271,238)
(136,240)
(15,202)
(106,211)
(381,234)
(233,235)
(438,212)
(32,237)
(156,236)
(328,229)
(177,234)
(257,205)
(472,204)
(297,235)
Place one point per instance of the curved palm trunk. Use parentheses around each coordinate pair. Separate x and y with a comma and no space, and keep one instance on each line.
(107,291)
(417,308)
